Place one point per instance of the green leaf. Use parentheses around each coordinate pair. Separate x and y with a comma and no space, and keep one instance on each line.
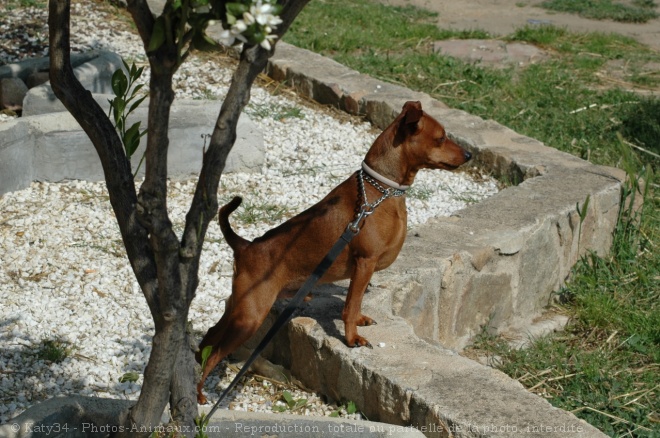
(119,82)
(118,106)
(335,414)
(131,145)
(585,206)
(135,90)
(351,408)
(206,353)
(129,377)
(120,125)
(176,4)
(132,139)
(128,69)
(638,344)
(236,9)
(138,73)
(288,398)
(204,43)
(157,35)
(137,103)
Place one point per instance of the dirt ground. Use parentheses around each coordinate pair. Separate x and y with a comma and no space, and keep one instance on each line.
(502,17)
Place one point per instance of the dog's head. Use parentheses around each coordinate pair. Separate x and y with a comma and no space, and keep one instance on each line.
(424,140)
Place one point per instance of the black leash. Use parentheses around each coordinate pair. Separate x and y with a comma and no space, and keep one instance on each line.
(351,231)
(288,311)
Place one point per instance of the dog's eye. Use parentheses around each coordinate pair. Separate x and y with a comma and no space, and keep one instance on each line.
(440,140)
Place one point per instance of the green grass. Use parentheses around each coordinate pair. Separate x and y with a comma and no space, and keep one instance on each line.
(273,111)
(636,11)
(250,213)
(10,5)
(605,367)
(366,27)
(53,350)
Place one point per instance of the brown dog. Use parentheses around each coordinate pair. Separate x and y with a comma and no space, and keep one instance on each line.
(279,261)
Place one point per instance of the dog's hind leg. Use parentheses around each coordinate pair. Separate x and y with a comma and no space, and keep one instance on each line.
(240,321)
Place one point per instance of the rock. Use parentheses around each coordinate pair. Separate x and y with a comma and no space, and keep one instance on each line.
(12,93)
(27,67)
(37,78)
(78,416)
(491,52)
(95,75)
(82,416)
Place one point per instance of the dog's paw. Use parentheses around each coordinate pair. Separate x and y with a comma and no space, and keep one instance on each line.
(359,341)
(201,399)
(364,321)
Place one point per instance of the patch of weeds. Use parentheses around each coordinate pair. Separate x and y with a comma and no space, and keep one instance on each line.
(53,350)
(130,376)
(640,124)
(645,77)
(289,403)
(468,198)
(250,213)
(509,179)
(18,275)
(636,11)
(274,111)
(207,95)
(201,422)
(31,3)
(538,35)
(349,408)
(109,246)
(419,192)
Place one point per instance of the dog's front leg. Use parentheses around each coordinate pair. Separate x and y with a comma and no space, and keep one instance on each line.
(352,316)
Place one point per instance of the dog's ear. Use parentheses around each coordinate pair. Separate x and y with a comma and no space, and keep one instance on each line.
(408,119)
(413,112)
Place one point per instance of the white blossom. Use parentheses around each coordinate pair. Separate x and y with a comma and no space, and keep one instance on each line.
(261,14)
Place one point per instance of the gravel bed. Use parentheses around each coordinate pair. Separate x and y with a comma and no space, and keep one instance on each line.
(66,286)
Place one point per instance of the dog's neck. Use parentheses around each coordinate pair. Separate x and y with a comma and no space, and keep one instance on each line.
(390,162)
(380,178)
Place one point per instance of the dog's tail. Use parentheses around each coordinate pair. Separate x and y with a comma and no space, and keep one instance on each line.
(235,241)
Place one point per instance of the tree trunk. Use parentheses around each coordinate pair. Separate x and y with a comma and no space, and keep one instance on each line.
(166,269)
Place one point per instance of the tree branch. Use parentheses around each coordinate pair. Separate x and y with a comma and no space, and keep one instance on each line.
(116,167)
(143,18)
(205,201)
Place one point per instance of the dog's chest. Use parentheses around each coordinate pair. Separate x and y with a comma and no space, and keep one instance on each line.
(391,232)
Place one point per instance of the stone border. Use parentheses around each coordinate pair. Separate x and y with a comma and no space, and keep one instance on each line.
(494,264)
(92,416)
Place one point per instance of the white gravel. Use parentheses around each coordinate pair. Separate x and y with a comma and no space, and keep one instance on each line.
(64,276)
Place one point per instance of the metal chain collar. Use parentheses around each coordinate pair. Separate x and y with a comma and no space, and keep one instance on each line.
(368,208)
